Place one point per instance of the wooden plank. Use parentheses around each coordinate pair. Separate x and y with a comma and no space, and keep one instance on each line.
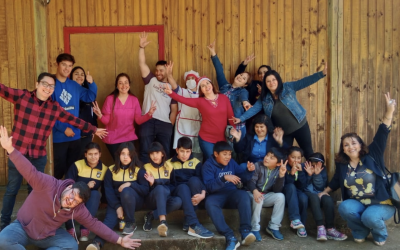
(205,39)
(68,13)
(354,17)
(213,35)
(136,12)
(129,12)
(20,49)
(228,36)
(83,13)
(175,38)
(281,36)
(249,38)
(189,43)
(114,13)
(288,41)
(167,21)
(258,37)
(297,41)
(235,35)
(99,16)
(273,35)
(244,26)
(151,10)
(198,46)
(220,41)
(106,13)
(347,83)
(60,26)
(181,42)
(393,89)
(363,67)
(159,12)
(371,84)
(28,22)
(144,17)
(76,13)
(121,13)
(92,16)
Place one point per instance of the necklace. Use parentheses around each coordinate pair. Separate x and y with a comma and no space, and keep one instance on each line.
(213,102)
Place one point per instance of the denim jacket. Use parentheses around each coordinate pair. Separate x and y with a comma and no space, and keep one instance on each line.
(237,95)
(287,97)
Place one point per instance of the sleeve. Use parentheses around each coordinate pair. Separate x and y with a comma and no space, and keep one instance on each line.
(199,166)
(241,68)
(72,172)
(106,110)
(112,199)
(212,184)
(301,182)
(334,184)
(88,95)
(141,185)
(278,185)
(139,118)
(229,112)
(38,180)
(86,219)
(10,94)
(147,79)
(251,112)
(60,126)
(75,121)
(306,81)
(377,147)
(252,183)
(220,71)
(241,146)
(191,102)
(244,95)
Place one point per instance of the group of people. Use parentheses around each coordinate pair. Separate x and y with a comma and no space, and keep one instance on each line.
(231,148)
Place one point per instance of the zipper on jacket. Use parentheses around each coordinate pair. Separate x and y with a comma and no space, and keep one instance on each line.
(266,181)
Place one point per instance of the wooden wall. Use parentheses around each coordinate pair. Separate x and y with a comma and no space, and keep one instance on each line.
(289,35)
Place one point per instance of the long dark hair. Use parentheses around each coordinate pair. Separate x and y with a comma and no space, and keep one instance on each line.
(265,91)
(157,147)
(115,93)
(341,157)
(85,83)
(132,153)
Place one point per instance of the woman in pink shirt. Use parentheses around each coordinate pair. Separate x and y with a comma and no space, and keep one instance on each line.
(215,110)
(120,111)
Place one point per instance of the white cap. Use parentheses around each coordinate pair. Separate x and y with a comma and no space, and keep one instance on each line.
(191,73)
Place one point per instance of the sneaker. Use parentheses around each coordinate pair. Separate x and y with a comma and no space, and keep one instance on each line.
(185,227)
(296,224)
(232,244)
(247,238)
(148,220)
(334,234)
(257,234)
(379,243)
(129,228)
(276,234)
(359,240)
(94,246)
(84,235)
(301,232)
(162,229)
(200,231)
(71,231)
(321,233)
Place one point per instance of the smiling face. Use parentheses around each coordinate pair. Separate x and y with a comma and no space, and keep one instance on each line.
(156,157)
(123,85)
(261,73)
(70,197)
(78,76)
(125,157)
(351,147)
(261,130)
(93,156)
(240,80)
(294,158)
(45,88)
(271,83)
(161,73)
(223,157)
(64,68)
(206,87)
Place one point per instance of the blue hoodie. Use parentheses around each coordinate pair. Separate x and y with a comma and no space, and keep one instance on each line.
(213,175)
(69,94)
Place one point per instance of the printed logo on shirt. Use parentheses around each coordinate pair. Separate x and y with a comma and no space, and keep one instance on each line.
(69,108)
(98,174)
(160,89)
(190,164)
(130,175)
(65,96)
(224,173)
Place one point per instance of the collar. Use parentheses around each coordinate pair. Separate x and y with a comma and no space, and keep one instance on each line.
(176,159)
(156,165)
(256,138)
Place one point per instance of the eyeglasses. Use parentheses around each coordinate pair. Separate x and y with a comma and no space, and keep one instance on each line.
(71,197)
(47,85)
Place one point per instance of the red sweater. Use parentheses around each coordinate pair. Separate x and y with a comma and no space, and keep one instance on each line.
(214,119)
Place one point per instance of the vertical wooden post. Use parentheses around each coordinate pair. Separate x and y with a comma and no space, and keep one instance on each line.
(335,64)
(39,10)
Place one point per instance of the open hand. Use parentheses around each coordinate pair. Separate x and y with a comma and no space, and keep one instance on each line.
(169,66)
(197,198)
(235,133)
(258,197)
(6,142)
(232,178)
(143,40)
(278,135)
(101,133)
(309,168)
(129,243)
(318,168)
(150,178)
(248,59)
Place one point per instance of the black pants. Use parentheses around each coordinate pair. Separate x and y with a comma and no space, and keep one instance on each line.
(303,138)
(327,205)
(65,154)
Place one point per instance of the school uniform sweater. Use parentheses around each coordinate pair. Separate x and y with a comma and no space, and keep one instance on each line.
(161,173)
(81,171)
(183,171)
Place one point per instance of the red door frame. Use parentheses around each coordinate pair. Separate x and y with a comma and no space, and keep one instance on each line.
(116,29)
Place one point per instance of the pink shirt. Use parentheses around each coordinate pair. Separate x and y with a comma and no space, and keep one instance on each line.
(215,119)
(121,127)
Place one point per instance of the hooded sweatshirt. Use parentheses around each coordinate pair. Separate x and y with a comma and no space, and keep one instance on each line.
(41,214)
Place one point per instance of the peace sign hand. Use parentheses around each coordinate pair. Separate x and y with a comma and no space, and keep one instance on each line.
(153,108)
(97,110)
(282,169)
(248,59)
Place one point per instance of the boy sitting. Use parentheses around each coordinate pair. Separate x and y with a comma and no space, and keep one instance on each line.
(186,183)
(220,177)
(265,188)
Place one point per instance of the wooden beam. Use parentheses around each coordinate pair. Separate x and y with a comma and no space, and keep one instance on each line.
(335,71)
(40,24)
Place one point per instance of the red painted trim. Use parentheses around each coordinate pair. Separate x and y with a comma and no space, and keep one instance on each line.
(116,29)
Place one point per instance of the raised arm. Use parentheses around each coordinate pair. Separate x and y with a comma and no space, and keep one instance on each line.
(191,102)
(309,80)
(10,94)
(242,67)
(218,66)
(88,95)
(144,68)
(169,66)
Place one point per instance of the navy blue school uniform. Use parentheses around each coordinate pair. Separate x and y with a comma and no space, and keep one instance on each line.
(130,199)
(185,183)
(81,171)
(296,199)
(160,198)
(224,194)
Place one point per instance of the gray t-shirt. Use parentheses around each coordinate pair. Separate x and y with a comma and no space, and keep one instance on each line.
(282,117)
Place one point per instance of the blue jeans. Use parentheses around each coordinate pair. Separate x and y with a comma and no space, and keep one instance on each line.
(92,205)
(13,186)
(297,203)
(160,200)
(363,219)
(207,148)
(14,237)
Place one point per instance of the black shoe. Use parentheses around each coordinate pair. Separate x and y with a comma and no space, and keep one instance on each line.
(148,220)
(94,246)
(129,228)
(162,229)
